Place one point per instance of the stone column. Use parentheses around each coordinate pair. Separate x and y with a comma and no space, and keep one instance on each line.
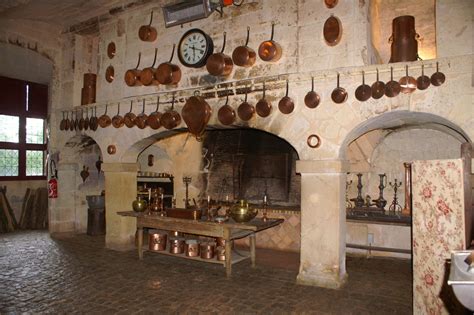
(62,210)
(120,191)
(323,223)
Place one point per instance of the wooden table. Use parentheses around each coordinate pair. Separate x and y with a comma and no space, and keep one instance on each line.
(228,231)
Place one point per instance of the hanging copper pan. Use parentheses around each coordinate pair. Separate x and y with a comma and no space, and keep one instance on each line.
(104,120)
(86,120)
(392,88)
(132,76)
(378,88)
(246,110)
(332,31)
(226,113)
(363,91)
(117,120)
(140,120)
(196,114)
(437,78)
(129,118)
(94,122)
(81,121)
(270,50)
(244,56)
(339,94)
(330,3)
(312,98)
(407,83)
(66,123)
(220,64)
(263,107)
(153,119)
(147,75)
(171,118)
(62,124)
(71,122)
(423,81)
(147,33)
(286,104)
(168,73)
(76,121)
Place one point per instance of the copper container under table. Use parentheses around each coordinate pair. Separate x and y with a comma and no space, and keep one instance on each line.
(208,250)
(157,240)
(176,245)
(220,253)
(191,248)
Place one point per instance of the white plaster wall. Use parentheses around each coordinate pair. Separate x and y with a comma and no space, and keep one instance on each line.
(16,192)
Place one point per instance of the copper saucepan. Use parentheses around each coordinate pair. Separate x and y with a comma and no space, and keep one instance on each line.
(153,119)
(66,121)
(94,123)
(246,110)
(147,33)
(147,75)
(62,124)
(104,120)
(132,76)
(76,121)
(407,83)
(363,91)
(141,119)
(244,56)
(86,120)
(339,94)
(129,118)
(392,88)
(168,73)
(171,118)
(312,98)
(117,120)
(423,81)
(286,104)
(263,107)
(270,50)
(378,87)
(81,121)
(220,64)
(71,122)
(226,113)
(196,114)
(437,78)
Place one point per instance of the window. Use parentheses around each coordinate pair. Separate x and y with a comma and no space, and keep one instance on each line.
(23,110)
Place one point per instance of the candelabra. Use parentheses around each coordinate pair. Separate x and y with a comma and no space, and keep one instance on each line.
(186,181)
(395,206)
(381,202)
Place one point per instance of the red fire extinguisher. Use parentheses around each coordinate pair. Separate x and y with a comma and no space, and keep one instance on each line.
(53,182)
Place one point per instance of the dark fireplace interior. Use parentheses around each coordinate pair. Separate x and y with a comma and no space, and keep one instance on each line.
(249,163)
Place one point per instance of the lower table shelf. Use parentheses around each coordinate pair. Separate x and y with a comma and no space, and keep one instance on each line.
(237,256)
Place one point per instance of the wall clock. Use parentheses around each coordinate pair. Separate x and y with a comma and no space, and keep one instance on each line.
(194,48)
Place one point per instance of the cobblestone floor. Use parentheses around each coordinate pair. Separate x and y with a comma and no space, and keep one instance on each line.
(76,274)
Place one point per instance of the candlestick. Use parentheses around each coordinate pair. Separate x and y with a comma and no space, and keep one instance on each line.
(264,217)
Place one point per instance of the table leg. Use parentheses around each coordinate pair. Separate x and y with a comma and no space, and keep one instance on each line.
(228,253)
(252,248)
(140,242)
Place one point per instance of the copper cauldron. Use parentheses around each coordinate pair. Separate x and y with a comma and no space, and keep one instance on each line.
(404,39)
(157,240)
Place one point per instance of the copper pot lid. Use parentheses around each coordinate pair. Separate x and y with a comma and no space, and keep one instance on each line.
(244,56)
(111,50)
(109,74)
(226,113)
(407,83)
(332,31)
(263,107)
(245,109)
(312,99)
(94,121)
(339,94)
(286,104)
(62,124)
(270,50)
(71,122)
(378,87)
(363,91)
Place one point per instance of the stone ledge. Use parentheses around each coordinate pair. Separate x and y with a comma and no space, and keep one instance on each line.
(120,167)
(322,166)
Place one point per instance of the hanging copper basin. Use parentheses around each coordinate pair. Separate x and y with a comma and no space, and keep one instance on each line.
(196,114)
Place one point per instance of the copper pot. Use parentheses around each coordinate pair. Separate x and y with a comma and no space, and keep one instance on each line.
(171,118)
(245,110)
(76,121)
(220,241)
(62,124)
(71,122)
(220,253)
(423,81)
(196,114)
(129,118)
(363,91)
(392,88)
(192,248)
(226,113)
(220,64)
(94,121)
(244,56)
(117,120)
(404,39)
(437,78)
(157,240)
(286,104)
(263,107)
(312,99)
(339,94)
(147,75)
(270,50)
(153,119)
(104,120)
(86,120)
(168,73)
(141,119)
(208,250)
(132,76)
(81,121)
(176,245)
(147,33)
(378,88)
(407,83)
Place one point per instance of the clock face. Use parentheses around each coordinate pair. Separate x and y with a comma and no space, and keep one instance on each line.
(194,48)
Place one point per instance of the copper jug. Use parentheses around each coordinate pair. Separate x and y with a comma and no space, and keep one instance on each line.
(157,240)
(404,39)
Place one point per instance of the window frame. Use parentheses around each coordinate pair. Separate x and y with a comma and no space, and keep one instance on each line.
(22,113)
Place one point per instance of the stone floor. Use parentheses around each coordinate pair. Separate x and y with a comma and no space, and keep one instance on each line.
(75,274)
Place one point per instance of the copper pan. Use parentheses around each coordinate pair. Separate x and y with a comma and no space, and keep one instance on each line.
(147,76)
(196,114)
(66,122)
(423,81)
(171,118)
(104,120)
(94,122)
(71,122)
(312,98)
(363,91)
(81,122)
(226,113)
(117,120)
(339,94)
(86,120)
(263,107)
(147,33)
(437,78)
(62,124)
(378,88)
(270,50)
(407,83)
(392,88)
(76,121)
(132,76)
(246,110)
(141,119)
(153,119)
(129,118)
(220,64)
(168,73)
(286,104)
(244,56)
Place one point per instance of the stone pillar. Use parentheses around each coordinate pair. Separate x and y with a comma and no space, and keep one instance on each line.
(62,213)
(120,191)
(323,223)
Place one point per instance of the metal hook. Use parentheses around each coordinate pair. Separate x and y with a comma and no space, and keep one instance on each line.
(143,110)
(154,60)
(273,30)
(391,73)
(246,92)
(139,58)
(226,97)
(151,18)
(157,102)
(363,78)
(287,87)
(377,69)
(106,106)
(118,109)
(131,105)
(312,84)
(223,45)
(338,80)
(172,102)
(172,52)
(263,89)
(248,36)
